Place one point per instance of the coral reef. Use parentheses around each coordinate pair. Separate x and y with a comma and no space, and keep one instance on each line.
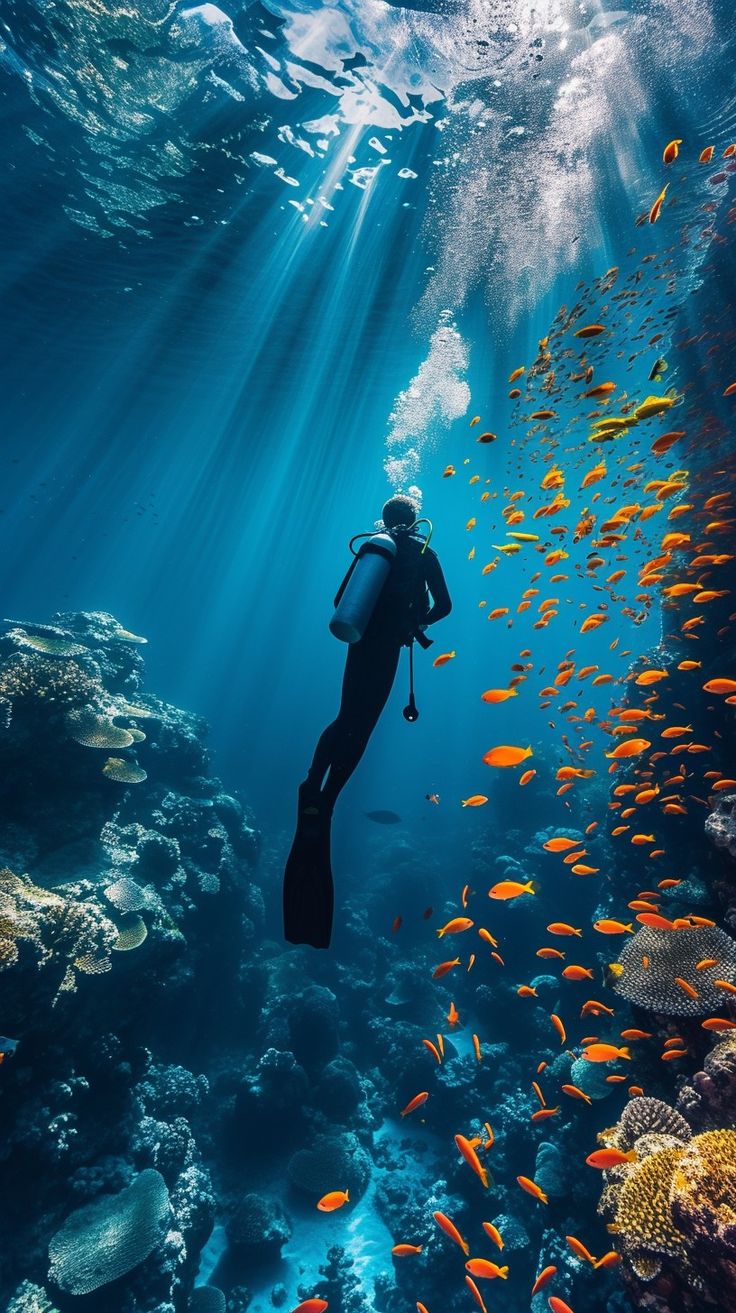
(107,1239)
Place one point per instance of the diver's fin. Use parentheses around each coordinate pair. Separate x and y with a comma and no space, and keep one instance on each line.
(308,889)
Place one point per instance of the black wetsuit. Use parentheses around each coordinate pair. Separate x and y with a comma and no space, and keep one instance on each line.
(403,607)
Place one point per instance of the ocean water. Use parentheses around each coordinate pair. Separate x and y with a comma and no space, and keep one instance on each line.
(263,265)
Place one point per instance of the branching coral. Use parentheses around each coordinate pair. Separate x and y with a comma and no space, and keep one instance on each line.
(652,959)
(34,684)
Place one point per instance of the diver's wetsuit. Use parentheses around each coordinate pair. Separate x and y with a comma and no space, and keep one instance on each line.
(371,663)
(402,607)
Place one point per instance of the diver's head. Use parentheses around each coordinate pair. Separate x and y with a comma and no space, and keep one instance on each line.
(400,512)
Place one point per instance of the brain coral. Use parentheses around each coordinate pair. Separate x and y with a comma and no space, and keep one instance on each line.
(672,953)
(110,1237)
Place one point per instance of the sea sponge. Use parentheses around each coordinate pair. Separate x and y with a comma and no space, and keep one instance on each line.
(110,1237)
(646,1116)
(125,772)
(207,1299)
(132,932)
(672,953)
(85,726)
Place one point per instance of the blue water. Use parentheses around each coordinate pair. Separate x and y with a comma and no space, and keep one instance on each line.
(244,247)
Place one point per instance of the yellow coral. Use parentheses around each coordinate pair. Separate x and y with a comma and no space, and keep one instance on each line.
(643,1216)
(704,1182)
(85,726)
(132,931)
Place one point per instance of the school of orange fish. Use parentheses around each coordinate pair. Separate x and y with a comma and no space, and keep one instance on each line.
(668,772)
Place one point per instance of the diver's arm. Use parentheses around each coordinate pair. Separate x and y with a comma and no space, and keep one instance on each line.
(441,601)
(344,583)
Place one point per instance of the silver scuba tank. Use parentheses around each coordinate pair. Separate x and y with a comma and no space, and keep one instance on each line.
(355,608)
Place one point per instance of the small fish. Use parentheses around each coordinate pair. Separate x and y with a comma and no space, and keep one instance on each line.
(443,658)
(559,1027)
(493,1233)
(383,817)
(415,1103)
(472,1286)
(532,1188)
(580,1250)
(510,889)
(656,209)
(573,972)
(453,1016)
(467,1151)
(671,151)
(506,755)
(605,1158)
(455,926)
(311,1306)
(451,1230)
(559,844)
(434,798)
(475,800)
(558,1305)
(402,1251)
(706,155)
(575,1093)
(476,1049)
(483,1267)
(544,1277)
(608,927)
(495,695)
(605,1053)
(444,967)
(335,1199)
(562,928)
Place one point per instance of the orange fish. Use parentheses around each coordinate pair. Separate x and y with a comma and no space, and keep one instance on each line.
(579,1249)
(629,748)
(608,927)
(444,967)
(506,755)
(720,686)
(402,1251)
(575,1093)
(562,928)
(468,1153)
(605,1158)
(559,845)
(469,1280)
(605,1053)
(476,1048)
(494,695)
(544,1277)
(453,1016)
(577,972)
(706,155)
(510,889)
(493,1233)
(532,1188)
(483,1267)
(557,1023)
(415,1103)
(455,926)
(527,776)
(311,1306)
(558,1305)
(335,1199)
(433,1050)
(475,800)
(443,658)
(718,1023)
(542,1113)
(590,330)
(671,151)
(451,1230)
(609,1260)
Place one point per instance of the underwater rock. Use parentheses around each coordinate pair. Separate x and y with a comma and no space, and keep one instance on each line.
(258,1227)
(338,1284)
(708,1098)
(109,1238)
(720,825)
(590,1077)
(334,1162)
(339,1090)
(551,1170)
(313,1017)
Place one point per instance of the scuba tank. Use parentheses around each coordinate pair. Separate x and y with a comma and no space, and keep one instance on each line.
(371,569)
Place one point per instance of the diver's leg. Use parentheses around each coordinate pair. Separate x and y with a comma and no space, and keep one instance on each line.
(368,683)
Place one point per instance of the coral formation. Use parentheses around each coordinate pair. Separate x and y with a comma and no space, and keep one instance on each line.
(107,1239)
(672,953)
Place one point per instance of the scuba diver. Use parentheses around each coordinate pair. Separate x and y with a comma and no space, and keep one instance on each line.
(382,605)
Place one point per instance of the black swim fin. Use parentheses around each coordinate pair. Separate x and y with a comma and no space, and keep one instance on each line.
(308,888)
